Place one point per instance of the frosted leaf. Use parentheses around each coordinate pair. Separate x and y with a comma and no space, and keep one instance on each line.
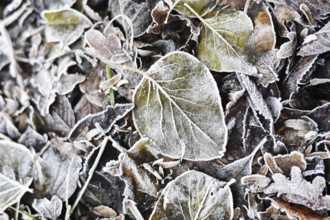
(301,70)
(319,43)
(65,25)
(222,42)
(299,191)
(103,120)
(194,195)
(103,47)
(16,163)
(62,171)
(319,8)
(178,106)
(138,11)
(287,49)
(48,208)
(202,7)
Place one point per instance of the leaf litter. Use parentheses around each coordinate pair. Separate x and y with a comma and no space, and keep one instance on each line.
(164,109)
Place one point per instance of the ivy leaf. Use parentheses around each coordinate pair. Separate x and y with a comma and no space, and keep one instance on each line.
(16,163)
(170,108)
(66,25)
(222,42)
(195,195)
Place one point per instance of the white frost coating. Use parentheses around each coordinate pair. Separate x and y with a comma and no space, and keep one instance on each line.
(177,105)
(15,172)
(194,195)
(316,43)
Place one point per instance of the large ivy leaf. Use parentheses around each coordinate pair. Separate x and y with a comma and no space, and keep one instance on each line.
(195,195)
(222,42)
(16,163)
(178,106)
(66,25)
(316,43)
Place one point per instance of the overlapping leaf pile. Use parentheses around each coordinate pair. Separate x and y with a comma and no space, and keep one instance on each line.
(164,109)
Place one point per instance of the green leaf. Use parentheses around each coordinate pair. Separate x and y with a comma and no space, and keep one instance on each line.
(194,195)
(202,7)
(178,106)
(223,40)
(66,25)
(16,163)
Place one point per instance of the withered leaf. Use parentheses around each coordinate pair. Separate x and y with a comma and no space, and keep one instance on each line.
(138,11)
(103,120)
(299,191)
(301,69)
(287,49)
(264,34)
(319,8)
(316,43)
(103,47)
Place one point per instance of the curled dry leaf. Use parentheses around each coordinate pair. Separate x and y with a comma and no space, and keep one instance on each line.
(287,49)
(195,195)
(286,162)
(299,191)
(264,33)
(170,110)
(99,123)
(302,69)
(16,173)
(295,211)
(297,133)
(319,8)
(316,43)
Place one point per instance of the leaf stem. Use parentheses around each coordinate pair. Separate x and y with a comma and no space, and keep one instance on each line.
(90,174)
(111,95)
(134,70)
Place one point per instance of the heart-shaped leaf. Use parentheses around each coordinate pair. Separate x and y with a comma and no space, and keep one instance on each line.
(178,106)
(194,195)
